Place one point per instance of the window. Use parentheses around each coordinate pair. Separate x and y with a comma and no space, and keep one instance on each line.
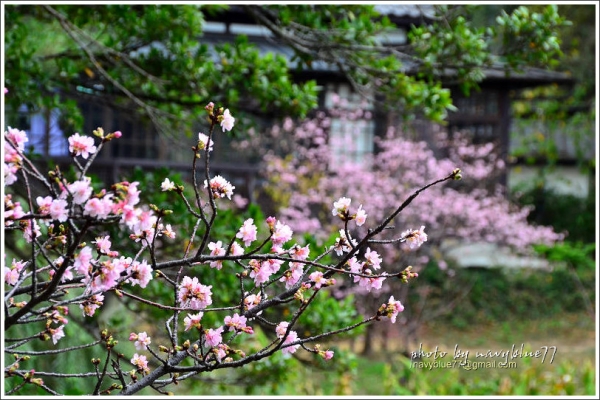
(139,140)
(352,126)
(43,131)
(478,115)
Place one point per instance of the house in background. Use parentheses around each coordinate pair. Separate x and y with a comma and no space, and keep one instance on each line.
(485,114)
(572,172)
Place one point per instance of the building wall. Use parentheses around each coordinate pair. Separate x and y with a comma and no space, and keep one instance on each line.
(562,180)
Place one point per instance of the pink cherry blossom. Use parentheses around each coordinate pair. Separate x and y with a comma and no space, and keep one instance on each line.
(220,351)
(258,273)
(392,308)
(107,276)
(57,333)
(167,185)
(282,234)
(67,274)
(103,244)
(81,190)
(141,363)
(142,340)
(247,232)
(318,279)
(373,258)
(203,141)
(81,145)
(281,328)
(239,201)
(237,323)
(140,273)
(10,173)
(262,271)
(402,166)
(193,294)
(213,336)
(251,301)
(361,216)
(340,207)
(90,305)
(11,275)
(292,275)
(415,238)
(132,196)
(227,121)
(82,260)
(342,245)
(17,137)
(236,249)
(216,249)
(299,253)
(193,321)
(271,222)
(12,210)
(31,230)
(168,232)
(367,282)
(97,208)
(12,159)
(220,187)
(44,204)
(58,210)
(291,337)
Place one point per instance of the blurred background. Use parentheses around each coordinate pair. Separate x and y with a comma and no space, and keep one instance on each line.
(369,102)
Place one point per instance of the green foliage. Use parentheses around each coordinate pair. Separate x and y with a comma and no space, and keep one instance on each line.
(454,44)
(365,377)
(530,37)
(489,295)
(153,61)
(458,49)
(577,255)
(325,314)
(565,378)
(149,59)
(331,314)
(565,213)
(570,109)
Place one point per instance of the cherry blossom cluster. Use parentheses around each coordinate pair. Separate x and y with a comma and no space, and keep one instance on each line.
(482,213)
(75,200)
(341,208)
(220,187)
(271,266)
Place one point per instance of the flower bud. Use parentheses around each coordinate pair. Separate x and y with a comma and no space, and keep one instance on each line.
(37,381)
(99,133)
(457,174)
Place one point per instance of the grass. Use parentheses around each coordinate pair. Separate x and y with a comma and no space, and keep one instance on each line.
(388,372)
(571,372)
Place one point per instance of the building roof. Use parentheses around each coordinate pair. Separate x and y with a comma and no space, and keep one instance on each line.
(527,77)
(267,43)
(407,13)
